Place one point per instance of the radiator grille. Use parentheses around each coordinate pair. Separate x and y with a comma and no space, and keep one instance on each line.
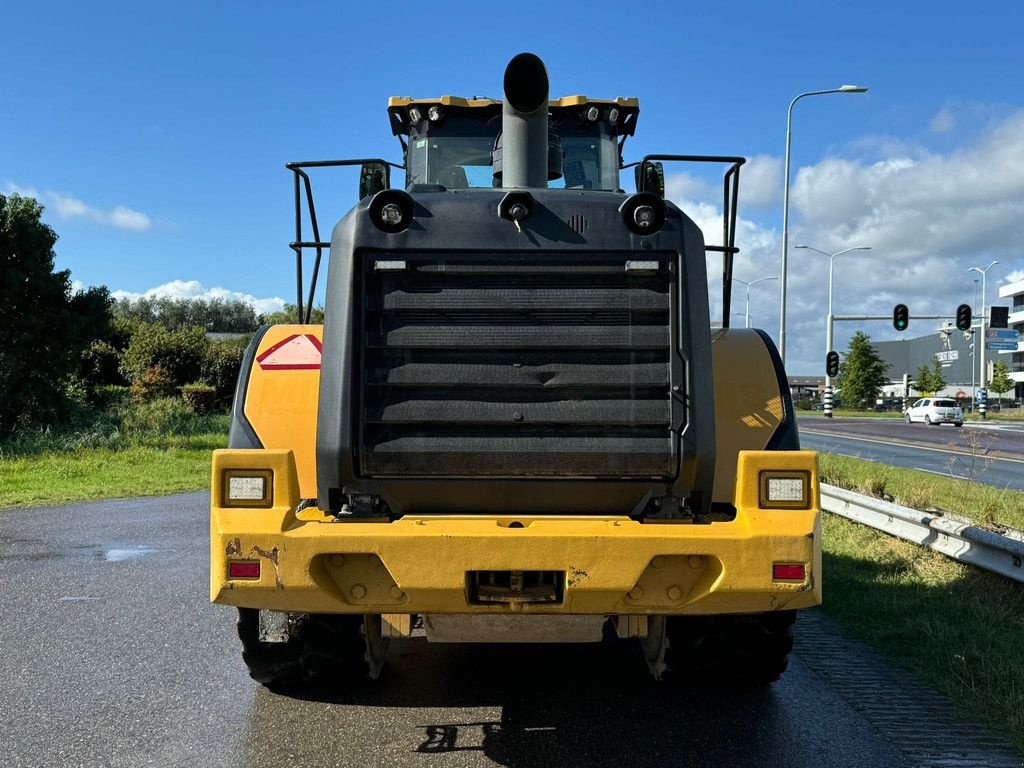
(515,366)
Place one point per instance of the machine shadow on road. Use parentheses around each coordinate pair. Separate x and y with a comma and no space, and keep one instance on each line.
(560,705)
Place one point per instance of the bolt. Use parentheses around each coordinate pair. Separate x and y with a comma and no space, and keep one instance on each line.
(658,562)
(674,592)
(358,591)
(337,560)
(397,593)
(636,593)
(695,561)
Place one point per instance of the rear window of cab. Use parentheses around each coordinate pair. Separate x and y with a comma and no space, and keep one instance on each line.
(946,403)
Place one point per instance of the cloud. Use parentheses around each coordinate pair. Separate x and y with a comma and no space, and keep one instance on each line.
(67,207)
(943,121)
(927,216)
(193,289)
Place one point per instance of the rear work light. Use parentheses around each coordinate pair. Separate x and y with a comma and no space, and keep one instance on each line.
(247,488)
(781,489)
(243,569)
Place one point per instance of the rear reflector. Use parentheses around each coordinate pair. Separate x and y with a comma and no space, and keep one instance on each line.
(243,569)
(788,571)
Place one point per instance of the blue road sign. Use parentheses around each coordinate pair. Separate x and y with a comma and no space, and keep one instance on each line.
(1002,334)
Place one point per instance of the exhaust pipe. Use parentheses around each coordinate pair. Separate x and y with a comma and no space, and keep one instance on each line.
(525,155)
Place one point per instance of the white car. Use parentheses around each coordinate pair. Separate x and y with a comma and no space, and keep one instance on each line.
(936,410)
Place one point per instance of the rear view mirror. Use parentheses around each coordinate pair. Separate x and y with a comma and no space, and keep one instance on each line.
(374,177)
(650,177)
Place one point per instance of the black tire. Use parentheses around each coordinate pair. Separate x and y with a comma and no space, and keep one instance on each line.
(908,418)
(324,649)
(742,651)
(928,421)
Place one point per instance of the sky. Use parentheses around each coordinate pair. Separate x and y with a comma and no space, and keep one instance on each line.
(156,135)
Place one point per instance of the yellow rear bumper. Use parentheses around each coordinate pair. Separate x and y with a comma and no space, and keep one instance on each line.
(612,565)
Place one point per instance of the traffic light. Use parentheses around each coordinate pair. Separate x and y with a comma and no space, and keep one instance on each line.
(963,317)
(832,363)
(900,317)
(998,317)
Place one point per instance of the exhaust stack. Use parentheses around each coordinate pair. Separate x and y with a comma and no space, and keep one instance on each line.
(525,155)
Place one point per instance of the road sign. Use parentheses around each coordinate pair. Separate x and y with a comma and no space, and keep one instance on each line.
(1002,334)
(1002,346)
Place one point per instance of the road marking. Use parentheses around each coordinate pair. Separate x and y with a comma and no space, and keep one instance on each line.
(942,474)
(879,441)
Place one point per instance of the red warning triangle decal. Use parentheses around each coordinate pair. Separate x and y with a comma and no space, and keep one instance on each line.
(300,352)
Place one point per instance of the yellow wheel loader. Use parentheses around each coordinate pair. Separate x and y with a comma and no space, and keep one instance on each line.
(517,422)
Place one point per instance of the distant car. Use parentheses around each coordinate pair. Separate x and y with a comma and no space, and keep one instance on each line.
(936,410)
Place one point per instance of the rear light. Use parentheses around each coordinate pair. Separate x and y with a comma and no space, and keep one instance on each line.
(788,571)
(243,569)
(247,488)
(781,489)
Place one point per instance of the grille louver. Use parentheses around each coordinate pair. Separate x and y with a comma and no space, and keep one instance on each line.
(515,366)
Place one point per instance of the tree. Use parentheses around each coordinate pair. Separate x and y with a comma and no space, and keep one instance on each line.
(220,315)
(923,381)
(938,379)
(1001,381)
(862,373)
(44,327)
(930,381)
(287,315)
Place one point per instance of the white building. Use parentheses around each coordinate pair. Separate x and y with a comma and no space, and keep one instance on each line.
(1015,362)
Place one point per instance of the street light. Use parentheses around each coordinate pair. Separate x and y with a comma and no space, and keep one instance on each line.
(828,322)
(752,282)
(785,207)
(983,384)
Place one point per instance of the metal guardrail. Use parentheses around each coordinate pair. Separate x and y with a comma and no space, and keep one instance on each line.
(1002,554)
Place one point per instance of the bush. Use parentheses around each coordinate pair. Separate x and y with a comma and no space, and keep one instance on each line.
(221,366)
(159,418)
(180,353)
(155,383)
(199,398)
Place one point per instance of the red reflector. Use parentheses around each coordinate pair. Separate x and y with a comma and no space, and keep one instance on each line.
(238,569)
(786,572)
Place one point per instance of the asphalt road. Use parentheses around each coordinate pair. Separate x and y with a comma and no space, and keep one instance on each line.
(988,454)
(110,655)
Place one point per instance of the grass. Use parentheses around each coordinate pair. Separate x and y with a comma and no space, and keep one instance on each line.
(985,504)
(959,628)
(149,454)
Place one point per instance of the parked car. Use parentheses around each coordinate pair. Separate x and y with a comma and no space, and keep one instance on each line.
(936,410)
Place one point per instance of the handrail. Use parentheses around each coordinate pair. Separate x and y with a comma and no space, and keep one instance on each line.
(298,244)
(730,205)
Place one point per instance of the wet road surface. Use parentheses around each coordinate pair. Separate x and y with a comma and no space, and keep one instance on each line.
(110,655)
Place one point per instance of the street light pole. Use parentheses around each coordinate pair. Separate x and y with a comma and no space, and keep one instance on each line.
(785,207)
(982,376)
(752,282)
(829,320)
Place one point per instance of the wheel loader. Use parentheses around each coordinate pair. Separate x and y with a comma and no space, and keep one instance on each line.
(518,422)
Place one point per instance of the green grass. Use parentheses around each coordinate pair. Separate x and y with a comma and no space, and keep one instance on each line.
(959,628)
(154,449)
(985,504)
(181,464)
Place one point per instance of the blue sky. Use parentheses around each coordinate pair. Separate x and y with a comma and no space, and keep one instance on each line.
(157,134)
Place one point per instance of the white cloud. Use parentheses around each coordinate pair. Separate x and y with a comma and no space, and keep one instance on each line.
(942,122)
(193,289)
(68,207)
(927,217)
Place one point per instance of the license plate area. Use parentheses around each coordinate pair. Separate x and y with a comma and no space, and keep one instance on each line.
(489,587)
